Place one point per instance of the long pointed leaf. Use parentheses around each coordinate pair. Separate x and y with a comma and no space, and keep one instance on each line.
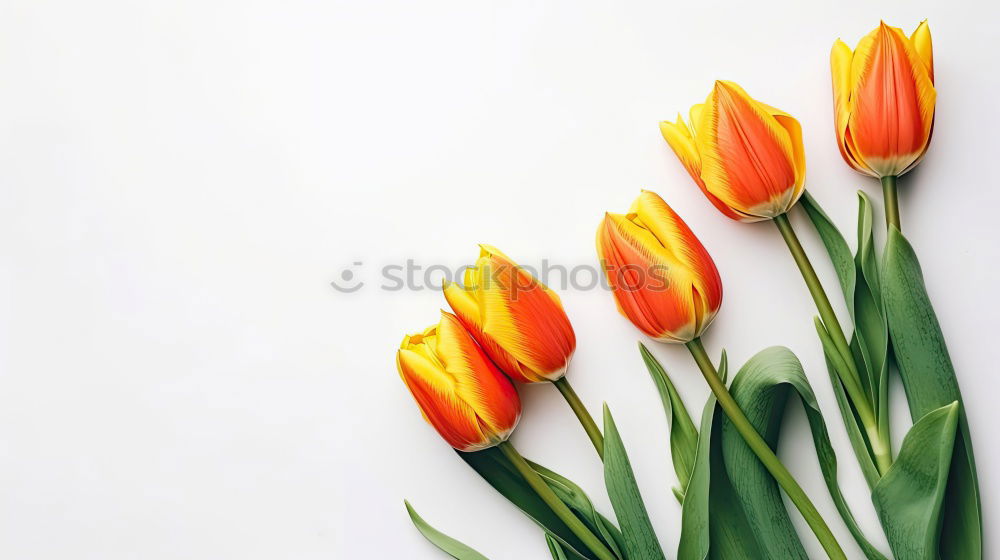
(640,539)
(555,548)
(871,336)
(836,246)
(859,281)
(502,476)
(930,383)
(454,548)
(852,421)
(910,497)
(578,501)
(761,388)
(733,508)
(713,523)
(683,434)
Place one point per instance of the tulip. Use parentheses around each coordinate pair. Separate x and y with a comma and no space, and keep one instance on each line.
(459,391)
(662,278)
(746,156)
(677,305)
(883,99)
(518,320)
(474,406)
(521,325)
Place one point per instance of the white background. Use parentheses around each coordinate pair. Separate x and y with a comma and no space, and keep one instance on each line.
(183,180)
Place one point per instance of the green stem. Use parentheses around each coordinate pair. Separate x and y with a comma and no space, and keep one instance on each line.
(764,452)
(586,420)
(891,199)
(845,366)
(554,503)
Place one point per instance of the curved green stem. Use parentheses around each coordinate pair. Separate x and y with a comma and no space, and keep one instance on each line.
(586,420)
(555,504)
(764,452)
(845,365)
(891,199)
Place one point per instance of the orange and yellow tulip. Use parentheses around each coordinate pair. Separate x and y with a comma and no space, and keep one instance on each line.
(884,99)
(518,321)
(663,279)
(459,391)
(746,156)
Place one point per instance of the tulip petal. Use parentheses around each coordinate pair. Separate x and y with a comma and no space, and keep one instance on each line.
(463,302)
(489,251)
(650,286)
(517,320)
(479,382)
(746,155)
(840,67)
(681,140)
(892,102)
(794,129)
(673,233)
(841,59)
(921,40)
(525,319)
(468,304)
(459,391)
(434,393)
(695,117)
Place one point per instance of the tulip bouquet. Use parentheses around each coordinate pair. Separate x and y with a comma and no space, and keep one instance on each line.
(749,161)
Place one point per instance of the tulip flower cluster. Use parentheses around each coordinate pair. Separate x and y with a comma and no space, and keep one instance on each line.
(748,159)
(507,326)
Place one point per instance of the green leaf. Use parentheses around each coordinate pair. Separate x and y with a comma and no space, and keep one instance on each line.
(871,341)
(852,422)
(930,383)
(836,246)
(683,434)
(761,388)
(578,501)
(713,523)
(555,548)
(640,539)
(859,281)
(909,499)
(733,508)
(449,545)
(502,476)
(871,336)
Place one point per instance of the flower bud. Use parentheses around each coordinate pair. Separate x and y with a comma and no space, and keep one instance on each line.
(459,391)
(883,97)
(746,156)
(663,279)
(518,321)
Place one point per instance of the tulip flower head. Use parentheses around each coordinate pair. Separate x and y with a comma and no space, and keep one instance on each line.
(746,156)
(884,99)
(519,322)
(663,279)
(459,391)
